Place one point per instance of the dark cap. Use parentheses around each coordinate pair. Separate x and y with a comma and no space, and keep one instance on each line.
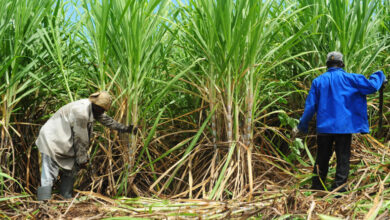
(334,56)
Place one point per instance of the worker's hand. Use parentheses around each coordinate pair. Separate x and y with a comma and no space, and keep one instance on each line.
(82,157)
(384,84)
(132,129)
(294,132)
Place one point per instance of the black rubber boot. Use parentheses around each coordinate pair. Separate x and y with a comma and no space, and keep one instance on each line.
(317,187)
(66,187)
(342,189)
(44,193)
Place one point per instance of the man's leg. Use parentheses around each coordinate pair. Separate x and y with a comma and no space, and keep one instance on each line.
(324,152)
(48,175)
(67,181)
(343,154)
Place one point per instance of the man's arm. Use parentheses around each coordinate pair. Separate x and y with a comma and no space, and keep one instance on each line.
(310,109)
(368,86)
(80,137)
(112,124)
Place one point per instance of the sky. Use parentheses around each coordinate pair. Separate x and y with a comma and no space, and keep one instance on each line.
(72,12)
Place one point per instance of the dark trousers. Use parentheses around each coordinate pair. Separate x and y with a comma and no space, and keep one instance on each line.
(342,146)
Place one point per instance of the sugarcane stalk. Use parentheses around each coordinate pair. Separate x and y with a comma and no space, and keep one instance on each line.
(248,142)
(214,161)
(133,138)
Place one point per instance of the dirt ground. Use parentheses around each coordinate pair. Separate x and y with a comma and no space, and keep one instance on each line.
(96,206)
(295,204)
(368,198)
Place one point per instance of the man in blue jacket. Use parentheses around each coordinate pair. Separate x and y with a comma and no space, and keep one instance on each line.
(339,100)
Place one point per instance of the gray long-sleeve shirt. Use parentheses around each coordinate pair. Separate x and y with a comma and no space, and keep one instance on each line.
(65,136)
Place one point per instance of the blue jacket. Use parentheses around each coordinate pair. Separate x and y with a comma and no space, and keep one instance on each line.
(339,99)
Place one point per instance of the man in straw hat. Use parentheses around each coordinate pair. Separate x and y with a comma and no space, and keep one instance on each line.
(339,100)
(64,140)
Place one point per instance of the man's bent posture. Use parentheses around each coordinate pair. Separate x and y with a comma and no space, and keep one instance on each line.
(64,140)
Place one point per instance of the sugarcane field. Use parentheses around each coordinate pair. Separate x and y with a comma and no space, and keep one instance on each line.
(195,109)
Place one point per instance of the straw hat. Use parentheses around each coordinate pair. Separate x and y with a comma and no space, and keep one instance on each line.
(102,99)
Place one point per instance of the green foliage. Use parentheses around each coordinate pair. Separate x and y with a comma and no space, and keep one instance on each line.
(286,120)
(212,83)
